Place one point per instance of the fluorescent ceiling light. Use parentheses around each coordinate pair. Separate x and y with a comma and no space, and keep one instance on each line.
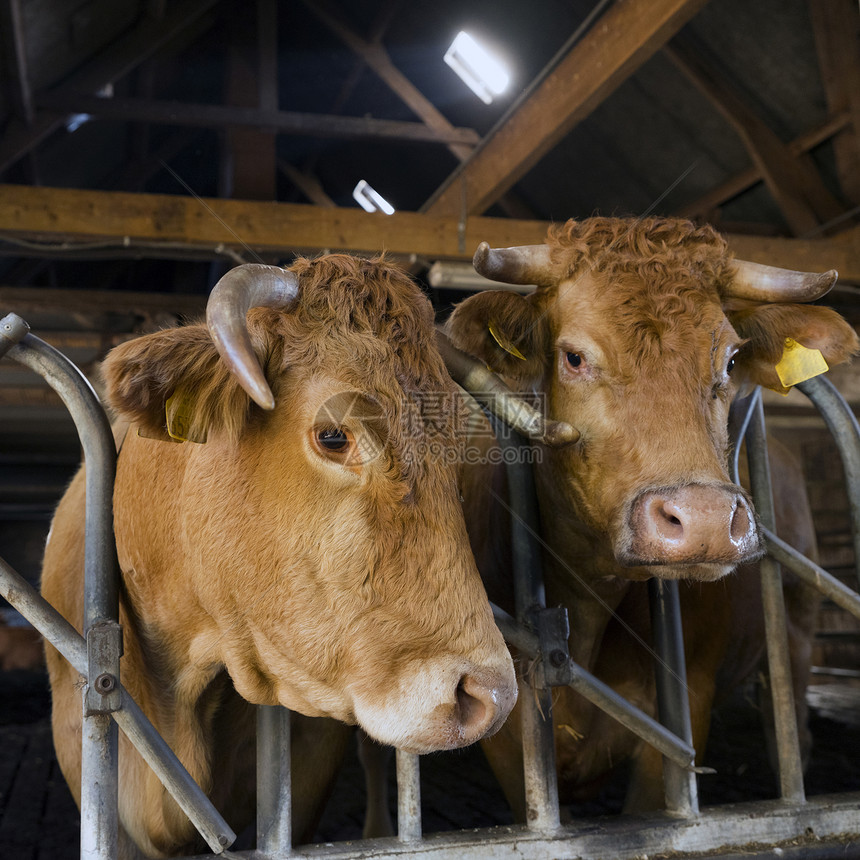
(76,120)
(462,276)
(370,200)
(485,75)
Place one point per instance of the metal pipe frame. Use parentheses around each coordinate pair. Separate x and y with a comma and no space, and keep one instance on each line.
(106,706)
(776,630)
(99,750)
(845,430)
(673,704)
(735,827)
(541,783)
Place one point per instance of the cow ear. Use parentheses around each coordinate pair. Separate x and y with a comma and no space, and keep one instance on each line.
(766,327)
(506,330)
(176,371)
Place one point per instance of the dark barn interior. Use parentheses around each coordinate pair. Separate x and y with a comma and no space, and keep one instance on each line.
(148,146)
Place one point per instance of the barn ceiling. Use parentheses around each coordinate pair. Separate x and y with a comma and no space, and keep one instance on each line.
(146,145)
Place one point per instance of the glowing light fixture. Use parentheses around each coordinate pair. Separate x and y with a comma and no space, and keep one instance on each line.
(485,75)
(371,200)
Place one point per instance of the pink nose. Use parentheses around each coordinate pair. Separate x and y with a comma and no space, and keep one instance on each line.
(480,706)
(693,524)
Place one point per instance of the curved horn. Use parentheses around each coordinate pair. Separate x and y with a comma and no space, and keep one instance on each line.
(770,284)
(524,264)
(248,286)
(485,386)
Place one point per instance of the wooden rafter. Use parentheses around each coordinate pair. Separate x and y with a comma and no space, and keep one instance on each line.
(836,24)
(624,38)
(125,54)
(60,214)
(740,182)
(248,155)
(376,57)
(223,116)
(793,181)
(307,183)
(304,178)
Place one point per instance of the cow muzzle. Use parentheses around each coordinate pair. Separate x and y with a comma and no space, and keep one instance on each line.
(692,524)
(442,710)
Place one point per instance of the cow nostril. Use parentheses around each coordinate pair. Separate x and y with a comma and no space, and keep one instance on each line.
(666,521)
(740,524)
(472,710)
(476,706)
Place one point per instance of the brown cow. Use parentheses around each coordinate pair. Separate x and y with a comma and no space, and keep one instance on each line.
(639,335)
(310,553)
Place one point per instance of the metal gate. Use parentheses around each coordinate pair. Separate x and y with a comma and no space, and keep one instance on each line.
(795,825)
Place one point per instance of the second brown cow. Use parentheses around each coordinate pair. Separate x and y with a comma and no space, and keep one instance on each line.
(640,334)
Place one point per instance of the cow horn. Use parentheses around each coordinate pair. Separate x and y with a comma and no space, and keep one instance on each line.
(770,284)
(524,264)
(485,386)
(249,286)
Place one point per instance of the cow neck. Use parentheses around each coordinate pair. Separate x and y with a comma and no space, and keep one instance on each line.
(580,571)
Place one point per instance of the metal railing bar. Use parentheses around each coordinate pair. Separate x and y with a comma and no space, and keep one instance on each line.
(539,771)
(673,705)
(99,752)
(845,430)
(133,722)
(603,696)
(408,797)
(776,631)
(274,821)
(486,387)
(809,572)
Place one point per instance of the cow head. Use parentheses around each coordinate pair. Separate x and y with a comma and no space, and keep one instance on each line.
(639,335)
(314,543)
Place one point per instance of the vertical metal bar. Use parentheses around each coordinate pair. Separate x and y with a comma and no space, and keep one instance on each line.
(670,670)
(133,722)
(274,824)
(99,815)
(843,426)
(541,782)
(99,783)
(408,797)
(773,602)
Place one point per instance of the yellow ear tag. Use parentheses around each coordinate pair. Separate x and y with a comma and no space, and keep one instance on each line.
(503,342)
(179,410)
(798,363)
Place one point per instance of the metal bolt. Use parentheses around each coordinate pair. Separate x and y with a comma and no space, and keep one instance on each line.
(105,683)
(557,657)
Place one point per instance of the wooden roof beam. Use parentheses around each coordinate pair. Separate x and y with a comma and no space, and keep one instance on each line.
(618,44)
(125,54)
(63,214)
(740,182)
(793,182)
(223,116)
(376,57)
(307,183)
(836,25)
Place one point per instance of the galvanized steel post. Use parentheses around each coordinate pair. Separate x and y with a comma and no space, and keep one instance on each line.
(773,603)
(274,826)
(845,430)
(541,781)
(673,704)
(99,821)
(408,797)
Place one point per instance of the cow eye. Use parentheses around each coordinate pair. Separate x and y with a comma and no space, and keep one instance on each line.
(731,365)
(574,359)
(333,439)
